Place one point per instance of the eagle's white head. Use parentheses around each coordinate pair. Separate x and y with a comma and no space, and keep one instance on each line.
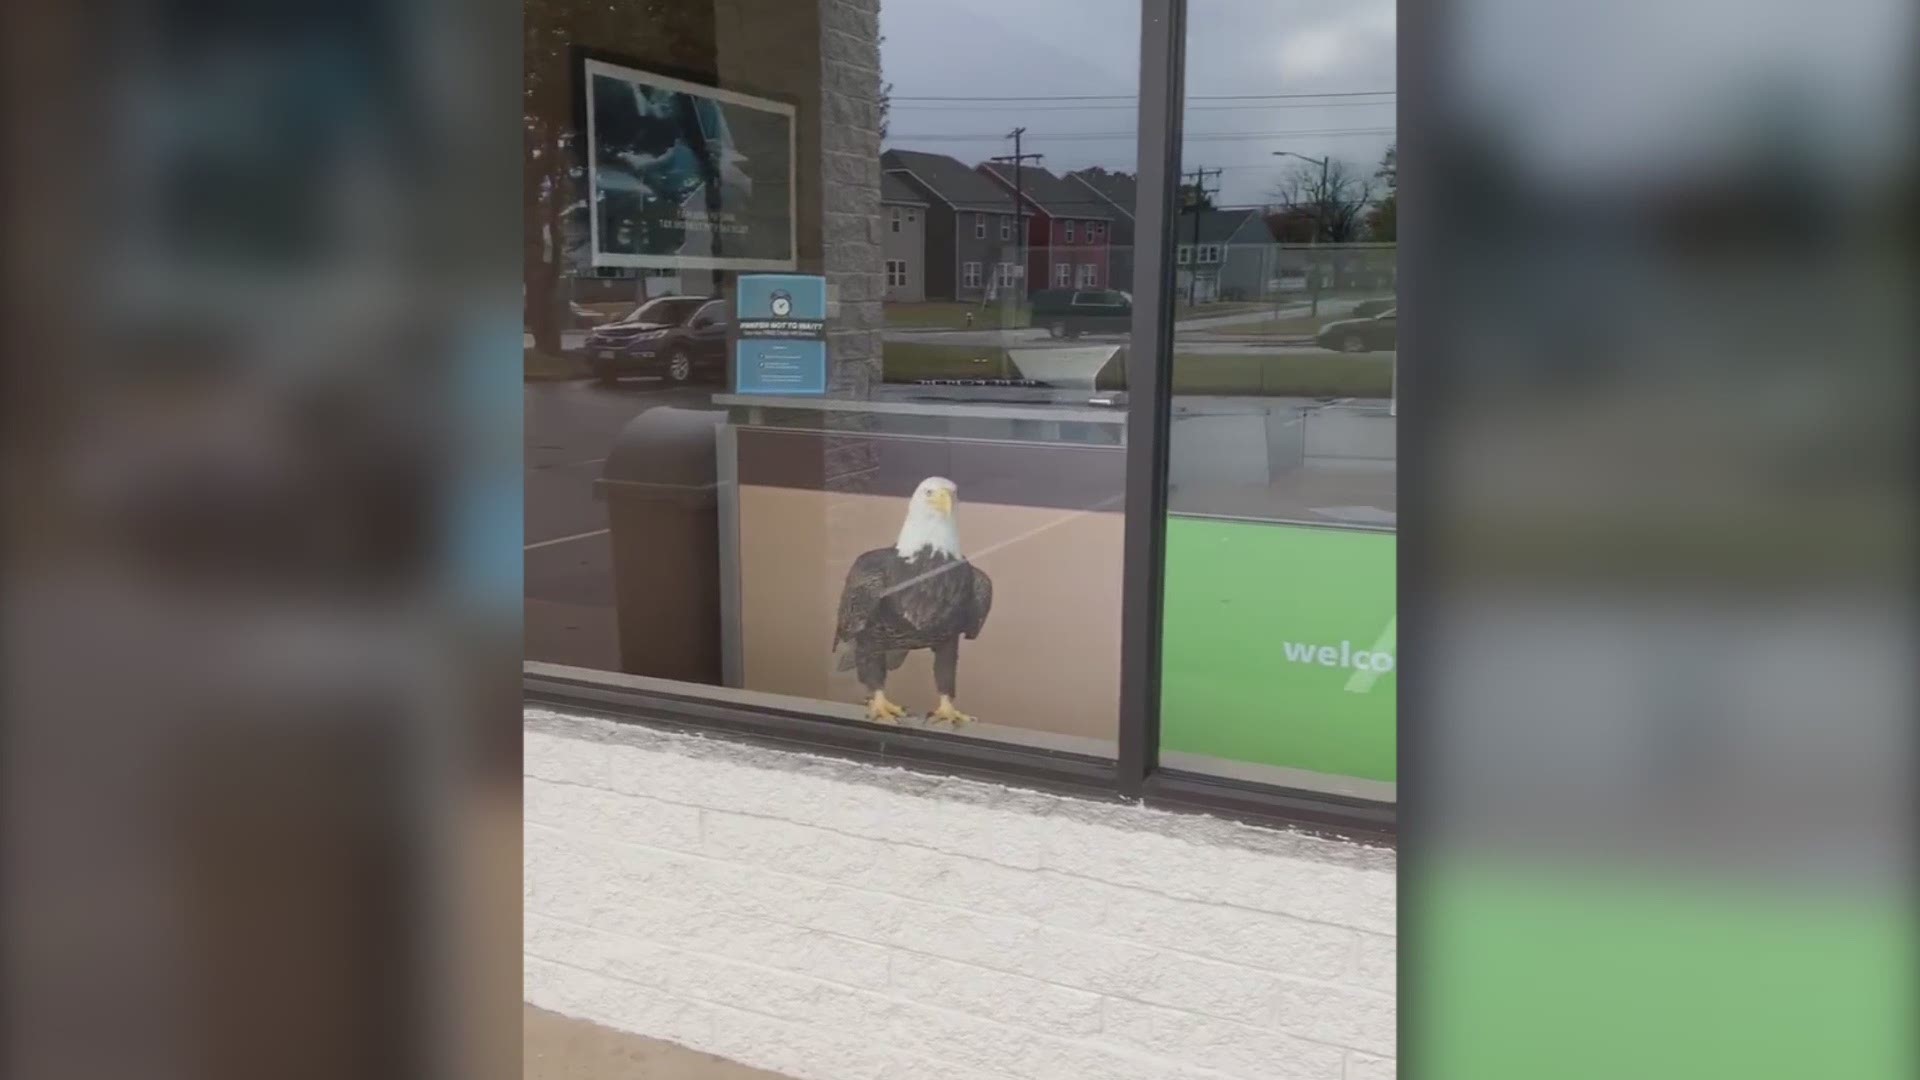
(930,521)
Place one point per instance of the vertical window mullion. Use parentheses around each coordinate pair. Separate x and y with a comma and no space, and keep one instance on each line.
(1149,387)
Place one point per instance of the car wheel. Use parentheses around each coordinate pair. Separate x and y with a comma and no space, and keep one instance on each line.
(1353,343)
(679,367)
(1057,329)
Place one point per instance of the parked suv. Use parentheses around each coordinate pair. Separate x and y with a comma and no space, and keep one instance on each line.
(675,337)
(1068,313)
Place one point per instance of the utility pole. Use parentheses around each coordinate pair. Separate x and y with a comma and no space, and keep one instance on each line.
(1196,193)
(1019,205)
(1319,215)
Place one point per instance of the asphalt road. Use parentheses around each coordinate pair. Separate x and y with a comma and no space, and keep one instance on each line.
(570,426)
(1030,337)
(1249,321)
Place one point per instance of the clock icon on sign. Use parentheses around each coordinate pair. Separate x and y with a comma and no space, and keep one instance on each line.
(782,303)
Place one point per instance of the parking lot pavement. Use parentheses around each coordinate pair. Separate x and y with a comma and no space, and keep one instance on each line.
(568,554)
(559,1047)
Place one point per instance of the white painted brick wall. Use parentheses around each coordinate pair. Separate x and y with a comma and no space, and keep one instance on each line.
(838,921)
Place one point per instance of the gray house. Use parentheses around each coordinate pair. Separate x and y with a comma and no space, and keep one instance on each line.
(972,246)
(1221,255)
(1116,191)
(903,240)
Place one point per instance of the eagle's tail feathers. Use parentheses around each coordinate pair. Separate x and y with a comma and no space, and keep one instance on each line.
(846,661)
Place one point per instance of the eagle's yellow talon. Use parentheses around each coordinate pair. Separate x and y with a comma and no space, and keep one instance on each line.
(882,711)
(947,712)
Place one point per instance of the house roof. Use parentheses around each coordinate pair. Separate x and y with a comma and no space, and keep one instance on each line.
(1116,188)
(1059,198)
(895,190)
(1216,226)
(950,179)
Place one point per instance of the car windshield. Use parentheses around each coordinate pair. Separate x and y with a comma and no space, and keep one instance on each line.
(668,310)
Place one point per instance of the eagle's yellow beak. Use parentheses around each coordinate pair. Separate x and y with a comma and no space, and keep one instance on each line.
(942,500)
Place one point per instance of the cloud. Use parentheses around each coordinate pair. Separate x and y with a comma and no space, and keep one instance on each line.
(1353,41)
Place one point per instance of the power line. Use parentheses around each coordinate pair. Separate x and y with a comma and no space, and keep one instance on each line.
(1089,136)
(980,107)
(1135,97)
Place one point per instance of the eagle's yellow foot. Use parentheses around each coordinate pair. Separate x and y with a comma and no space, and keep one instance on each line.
(947,712)
(882,711)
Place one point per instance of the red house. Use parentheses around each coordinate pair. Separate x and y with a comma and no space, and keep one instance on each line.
(1069,230)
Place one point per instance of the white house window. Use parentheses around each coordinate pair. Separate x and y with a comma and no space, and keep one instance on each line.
(1093,230)
(1209,253)
(1186,254)
(896,272)
(979,226)
(1089,273)
(1062,275)
(970,275)
(912,216)
(1069,232)
(894,216)
(1006,228)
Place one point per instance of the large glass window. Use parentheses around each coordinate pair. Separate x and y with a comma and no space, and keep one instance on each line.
(805,434)
(790,445)
(1279,634)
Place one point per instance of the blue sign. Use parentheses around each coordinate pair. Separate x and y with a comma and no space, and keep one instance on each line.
(780,334)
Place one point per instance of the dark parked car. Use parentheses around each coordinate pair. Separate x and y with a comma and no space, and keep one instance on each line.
(1378,334)
(1367,309)
(675,337)
(1068,313)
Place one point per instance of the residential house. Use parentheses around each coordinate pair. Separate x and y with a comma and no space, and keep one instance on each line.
(903,239)
(1069,229)
(1221,255)
(1117,190)
(971,245)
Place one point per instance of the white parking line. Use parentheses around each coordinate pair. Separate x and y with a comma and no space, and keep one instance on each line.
(565,539)
(567,464)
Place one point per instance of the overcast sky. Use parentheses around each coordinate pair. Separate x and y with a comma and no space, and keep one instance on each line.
(1595,91)
(1038,49)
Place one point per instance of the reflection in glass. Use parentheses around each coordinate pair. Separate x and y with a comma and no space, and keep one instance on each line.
(935,539)
(1278,645)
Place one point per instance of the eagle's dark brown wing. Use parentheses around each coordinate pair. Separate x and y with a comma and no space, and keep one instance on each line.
(867,581)
(980,602)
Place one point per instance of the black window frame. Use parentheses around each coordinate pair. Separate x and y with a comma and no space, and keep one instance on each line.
(1134,774)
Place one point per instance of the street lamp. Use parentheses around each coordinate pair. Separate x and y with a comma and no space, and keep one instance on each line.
(1319,215)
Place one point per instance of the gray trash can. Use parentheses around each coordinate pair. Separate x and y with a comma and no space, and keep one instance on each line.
(659,484)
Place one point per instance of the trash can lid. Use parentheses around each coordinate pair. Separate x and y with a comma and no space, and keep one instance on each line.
(668,446)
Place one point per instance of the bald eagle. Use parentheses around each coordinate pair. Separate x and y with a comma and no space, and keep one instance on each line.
(921,593)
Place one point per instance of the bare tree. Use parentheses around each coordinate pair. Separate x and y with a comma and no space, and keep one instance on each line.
(1383,221)
(1333,198)
(554,198)
(886,97)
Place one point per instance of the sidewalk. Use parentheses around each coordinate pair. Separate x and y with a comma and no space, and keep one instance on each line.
(560,1048)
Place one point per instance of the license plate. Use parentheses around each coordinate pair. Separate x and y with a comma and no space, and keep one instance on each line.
(608,354)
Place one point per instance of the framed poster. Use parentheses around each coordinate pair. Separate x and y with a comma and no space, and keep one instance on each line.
(686,177)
